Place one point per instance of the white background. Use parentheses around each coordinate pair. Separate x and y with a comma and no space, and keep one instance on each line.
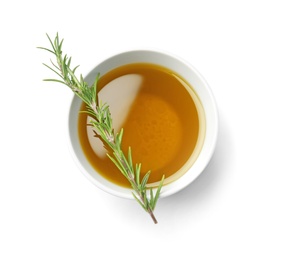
(235,210)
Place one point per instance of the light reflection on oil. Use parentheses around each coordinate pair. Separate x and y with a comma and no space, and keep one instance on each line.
(123,88)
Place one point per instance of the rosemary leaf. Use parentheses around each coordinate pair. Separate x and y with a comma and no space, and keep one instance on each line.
(53,70)
(158,192)
(116,164)
(145,179)
(55,80)
(46,49)
(137,173)
(130,158)
(139,201)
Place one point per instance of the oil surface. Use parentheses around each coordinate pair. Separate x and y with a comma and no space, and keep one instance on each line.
(159,117)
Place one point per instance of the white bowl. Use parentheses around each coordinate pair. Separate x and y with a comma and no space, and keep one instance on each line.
(190,75)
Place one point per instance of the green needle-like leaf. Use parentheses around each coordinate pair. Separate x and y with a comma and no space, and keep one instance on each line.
(130,158)
(145,179)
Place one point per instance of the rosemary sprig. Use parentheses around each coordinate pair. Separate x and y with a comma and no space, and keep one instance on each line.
(102,123)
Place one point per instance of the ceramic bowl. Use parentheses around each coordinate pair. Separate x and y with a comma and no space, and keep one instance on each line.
(192,77)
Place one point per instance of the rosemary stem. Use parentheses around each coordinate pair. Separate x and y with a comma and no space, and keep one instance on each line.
(102,123)
(153,216)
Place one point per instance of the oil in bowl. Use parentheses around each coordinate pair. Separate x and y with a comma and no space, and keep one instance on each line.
(162,118)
